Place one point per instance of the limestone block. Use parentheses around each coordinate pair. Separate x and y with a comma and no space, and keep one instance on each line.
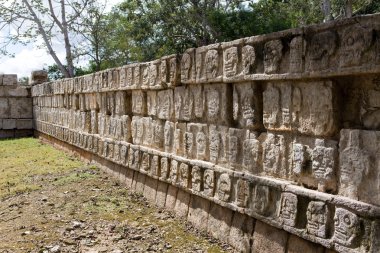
(171,197)
(219,222)
(268,239)
(165,104)
(137,129)
(151,99)
(162,189)
(169,129)
(4,108)
(179,139)
(288,107)
(297,55)
(236,138)
(275,154)
(198,212)
(318,219)
(147,138)
(18,91)
(150,189)
(184,175)
(145,163)
(196,179)
(21,108)
(174,171)
(218,103)
(9,79)
(273,56)
(360,165)
(209,183)
(188,66)
(155,166)
(196,141)
(122,103)
(289,209)
(123,76)
(265,200)
(299,245)
(134,159)
(9,124)
(247,102)
(165,169)
(347,228)
(356,41)
(315,163)
(209,64)
(218,144)
(242,192)
(24,124)
(139,102)
(174,71)
(320,50)
(181,207)
(38,76)
(7,133)
(139,182)
(158,129)
(241,232)
(231,59)
(224,187)
(252,154)
(183,103)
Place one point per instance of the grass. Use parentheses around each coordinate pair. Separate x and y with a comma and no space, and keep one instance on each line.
(22,161)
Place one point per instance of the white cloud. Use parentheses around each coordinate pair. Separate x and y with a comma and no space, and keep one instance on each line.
(27,60)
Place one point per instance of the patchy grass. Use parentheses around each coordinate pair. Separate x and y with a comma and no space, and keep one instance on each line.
(24,161)
(43,190)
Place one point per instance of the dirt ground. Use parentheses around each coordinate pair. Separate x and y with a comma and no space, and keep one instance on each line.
(51,202)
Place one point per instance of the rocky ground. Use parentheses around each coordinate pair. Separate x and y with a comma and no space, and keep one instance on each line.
(50,202)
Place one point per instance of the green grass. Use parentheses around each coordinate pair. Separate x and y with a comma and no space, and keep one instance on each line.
(22,161)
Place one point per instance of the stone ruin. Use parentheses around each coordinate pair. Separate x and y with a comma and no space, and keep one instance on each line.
(16,114)
(270,143)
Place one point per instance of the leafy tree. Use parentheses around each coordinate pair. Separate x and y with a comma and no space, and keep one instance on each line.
(54,73)
(52,21)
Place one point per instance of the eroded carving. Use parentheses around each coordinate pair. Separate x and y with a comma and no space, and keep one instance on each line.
(272,56)
(317,215)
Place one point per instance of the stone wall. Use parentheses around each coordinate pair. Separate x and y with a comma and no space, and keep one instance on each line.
(271,143)
(16,114)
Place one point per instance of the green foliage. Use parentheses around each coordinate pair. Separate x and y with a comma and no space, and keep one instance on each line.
(54,72)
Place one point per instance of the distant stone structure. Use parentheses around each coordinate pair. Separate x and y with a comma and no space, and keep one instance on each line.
(270,143)
(16,114)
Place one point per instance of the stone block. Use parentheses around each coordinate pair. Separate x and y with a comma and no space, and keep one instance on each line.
(360,165)
(162,189)
(219,222)
(38,76)
(241,232)
(24,124)
(18,91)
(138,103)
(269,239)
(218,103)
(315,163)
(294,107)
(9,123)
(21,108)
(198,212)
(299,245)
(150,189)
(171,197)
(247,103)
(9,79)
(181,207)
(4,108)
(139,182)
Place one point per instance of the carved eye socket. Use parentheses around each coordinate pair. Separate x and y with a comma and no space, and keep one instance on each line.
(347,220)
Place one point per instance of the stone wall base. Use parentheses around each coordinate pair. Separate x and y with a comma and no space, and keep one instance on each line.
(243,233)
(15,133)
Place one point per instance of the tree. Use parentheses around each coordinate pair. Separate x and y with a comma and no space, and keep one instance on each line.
(52,21)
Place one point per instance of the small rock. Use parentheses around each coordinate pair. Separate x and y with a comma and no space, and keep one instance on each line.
(137,237)
(26,233)
(55,249)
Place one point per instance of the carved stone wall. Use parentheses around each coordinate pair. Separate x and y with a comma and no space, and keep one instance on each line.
(271,143)
(16,114)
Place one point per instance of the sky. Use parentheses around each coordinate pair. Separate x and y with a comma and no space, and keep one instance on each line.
(29,58)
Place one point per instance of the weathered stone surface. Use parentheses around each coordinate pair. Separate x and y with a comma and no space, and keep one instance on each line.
(360,165)
(219,222)
(299,245)
(268,239)
(198,212)
(181,207)
(241,232)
